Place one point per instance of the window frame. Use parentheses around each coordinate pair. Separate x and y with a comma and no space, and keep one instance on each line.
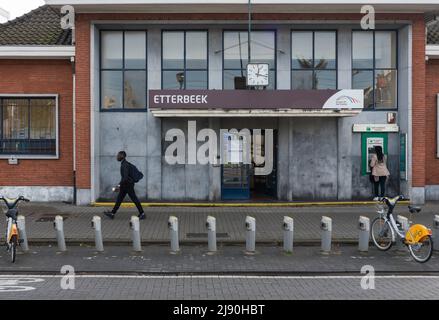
(313,69)
(248,56)
(162,70)
(123,70)
(55,96)
(374,69)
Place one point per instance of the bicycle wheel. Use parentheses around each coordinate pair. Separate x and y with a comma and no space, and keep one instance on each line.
(381,233)
(422,251)
(13,248)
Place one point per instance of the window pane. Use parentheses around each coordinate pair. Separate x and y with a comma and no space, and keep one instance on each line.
(173,50)
(364,80)
(302,80)
(235,50)
(325,79)
(15,119)
(385,89)
(362,49)
(301,48)
(42,119)
(111,89)
(135,50)
(135,90)
(235,79)
(196,50)
(385,49)
(196,79)
(111,50)
(325,50)
(173,79)
(263,47)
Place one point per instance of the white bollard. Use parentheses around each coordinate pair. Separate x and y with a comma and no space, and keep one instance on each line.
(21,224)
(96,225)
(135,227)
(436,233)
(211,233)
(288,227)
(173,233)
(250,239)
(59,227)
(363,237)
(404,226)
(326,227)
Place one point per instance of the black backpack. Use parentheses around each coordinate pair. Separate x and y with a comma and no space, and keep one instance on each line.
(135,174)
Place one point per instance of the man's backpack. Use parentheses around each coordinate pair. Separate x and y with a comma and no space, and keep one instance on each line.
(135,174)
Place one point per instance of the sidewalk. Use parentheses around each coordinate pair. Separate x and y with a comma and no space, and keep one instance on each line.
(230,222)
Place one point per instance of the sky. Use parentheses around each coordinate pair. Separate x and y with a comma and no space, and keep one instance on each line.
(17,8)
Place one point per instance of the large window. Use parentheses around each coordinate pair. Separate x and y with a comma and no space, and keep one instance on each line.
(374,67)
(184,60)
(123,70)
(236,56)
(28,126)
(313,60)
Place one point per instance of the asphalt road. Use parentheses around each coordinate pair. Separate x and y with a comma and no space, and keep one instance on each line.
(326,287)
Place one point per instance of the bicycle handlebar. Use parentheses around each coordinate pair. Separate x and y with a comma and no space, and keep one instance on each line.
(16,201)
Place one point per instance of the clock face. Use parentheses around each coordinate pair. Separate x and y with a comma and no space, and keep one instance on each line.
(257,74)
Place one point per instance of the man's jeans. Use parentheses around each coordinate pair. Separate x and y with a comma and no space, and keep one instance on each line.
(124,190)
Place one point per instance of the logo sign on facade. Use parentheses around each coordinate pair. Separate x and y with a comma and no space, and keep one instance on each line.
(256,99)
(375,128)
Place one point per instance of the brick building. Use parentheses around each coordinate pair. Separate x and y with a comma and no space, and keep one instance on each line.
(132,72)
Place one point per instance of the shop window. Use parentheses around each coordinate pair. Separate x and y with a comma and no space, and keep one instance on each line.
(236,56)
(28,126)
(374,68)
(123,74)
(184,60)
(313,60)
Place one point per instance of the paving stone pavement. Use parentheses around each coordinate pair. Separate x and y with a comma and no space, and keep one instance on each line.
(230,222)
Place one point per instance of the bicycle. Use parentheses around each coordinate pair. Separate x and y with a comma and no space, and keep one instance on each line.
(385,230)
(12,232)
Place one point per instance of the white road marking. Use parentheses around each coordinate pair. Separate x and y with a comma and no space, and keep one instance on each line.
(219,277)
(12,283)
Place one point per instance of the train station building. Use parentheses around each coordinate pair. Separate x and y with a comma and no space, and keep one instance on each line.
(314,88)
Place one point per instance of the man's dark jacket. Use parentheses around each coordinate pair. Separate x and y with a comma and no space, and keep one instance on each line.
(125,168)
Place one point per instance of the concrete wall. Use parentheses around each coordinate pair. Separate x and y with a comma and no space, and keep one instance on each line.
(319,158)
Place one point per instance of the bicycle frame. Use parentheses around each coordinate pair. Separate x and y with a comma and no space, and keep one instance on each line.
(393,226)
(11,230)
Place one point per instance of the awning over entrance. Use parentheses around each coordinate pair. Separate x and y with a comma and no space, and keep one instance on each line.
(256,103)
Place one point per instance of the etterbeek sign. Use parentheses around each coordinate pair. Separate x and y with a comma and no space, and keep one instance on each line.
(256,99)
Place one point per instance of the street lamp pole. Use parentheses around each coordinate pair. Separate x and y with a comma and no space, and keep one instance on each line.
(249,28)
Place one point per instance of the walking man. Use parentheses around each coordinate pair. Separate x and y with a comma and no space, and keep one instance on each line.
(129,176)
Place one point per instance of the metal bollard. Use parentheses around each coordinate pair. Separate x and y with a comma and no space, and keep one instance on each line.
(96,225)
(250,239)
(326,227)
(59,227)
(404,226)
(211,233)
(173,233)
(135,227)
(436,233)
(288,227)
(363,238)
(21,224)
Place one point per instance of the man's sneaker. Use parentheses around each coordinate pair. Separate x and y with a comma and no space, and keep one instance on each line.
(109,214)
(142,216)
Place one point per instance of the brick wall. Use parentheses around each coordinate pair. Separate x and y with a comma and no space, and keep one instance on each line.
(41,76)
(432,89)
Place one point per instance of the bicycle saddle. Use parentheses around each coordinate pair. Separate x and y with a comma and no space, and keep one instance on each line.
(414,209)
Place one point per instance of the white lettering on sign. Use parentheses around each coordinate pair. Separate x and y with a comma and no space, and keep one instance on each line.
(180,98)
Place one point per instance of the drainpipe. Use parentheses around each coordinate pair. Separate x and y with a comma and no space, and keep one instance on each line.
(72,59)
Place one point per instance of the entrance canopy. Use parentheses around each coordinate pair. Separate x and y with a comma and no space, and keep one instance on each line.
(256,103)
